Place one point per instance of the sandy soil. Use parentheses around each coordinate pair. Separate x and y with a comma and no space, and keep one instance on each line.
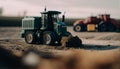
(10,36)
(98,38)
(100,48)
(102,38)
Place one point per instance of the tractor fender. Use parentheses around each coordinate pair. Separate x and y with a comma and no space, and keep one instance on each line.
(78,22)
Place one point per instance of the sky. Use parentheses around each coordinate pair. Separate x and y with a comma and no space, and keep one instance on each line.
(73,8)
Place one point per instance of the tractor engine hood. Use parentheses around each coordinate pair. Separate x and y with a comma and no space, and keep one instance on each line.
(62,29)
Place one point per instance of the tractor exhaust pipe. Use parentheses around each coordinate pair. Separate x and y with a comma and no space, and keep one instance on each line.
(63,17)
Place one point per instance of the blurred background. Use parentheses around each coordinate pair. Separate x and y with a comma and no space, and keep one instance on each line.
(12,11)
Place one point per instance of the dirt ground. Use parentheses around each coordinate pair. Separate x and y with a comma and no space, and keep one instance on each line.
(10,38)
(99,47)
(94,38)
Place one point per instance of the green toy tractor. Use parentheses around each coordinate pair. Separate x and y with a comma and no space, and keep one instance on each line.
(46,29)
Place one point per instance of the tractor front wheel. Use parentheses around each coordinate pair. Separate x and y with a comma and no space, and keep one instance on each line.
(79,28)
(29,37)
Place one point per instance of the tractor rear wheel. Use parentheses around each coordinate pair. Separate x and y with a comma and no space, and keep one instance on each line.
(111,27)
(106,27)
(48,38)
(29,37)
(39,37)
(79,28)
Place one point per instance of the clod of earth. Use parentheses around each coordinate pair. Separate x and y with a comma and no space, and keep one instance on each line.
(71,41)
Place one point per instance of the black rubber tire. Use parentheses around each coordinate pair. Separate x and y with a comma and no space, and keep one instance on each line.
(48,38)
(111,28)
(30,37)
(102,27)
(106,27)
(79,28)
(39,37)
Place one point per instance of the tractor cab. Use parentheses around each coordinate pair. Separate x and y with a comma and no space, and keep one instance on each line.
(48,19)
(50,22)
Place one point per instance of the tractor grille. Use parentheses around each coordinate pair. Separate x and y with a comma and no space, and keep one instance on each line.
(27,25)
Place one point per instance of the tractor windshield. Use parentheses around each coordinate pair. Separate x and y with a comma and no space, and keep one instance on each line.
(55,18)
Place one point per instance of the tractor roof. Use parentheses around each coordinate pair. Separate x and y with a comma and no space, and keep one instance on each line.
(51,12)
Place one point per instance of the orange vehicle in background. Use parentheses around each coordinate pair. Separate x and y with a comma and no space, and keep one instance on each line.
(102,23)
